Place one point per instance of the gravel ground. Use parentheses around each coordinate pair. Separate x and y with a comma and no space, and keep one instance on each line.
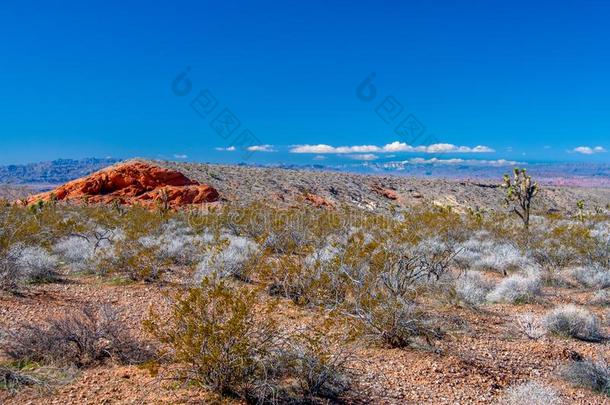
(482,355)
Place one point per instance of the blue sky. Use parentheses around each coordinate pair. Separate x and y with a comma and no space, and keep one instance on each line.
(528,81)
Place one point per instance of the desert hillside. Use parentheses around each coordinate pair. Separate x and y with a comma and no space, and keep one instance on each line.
(245,184)
(160,282)
(242,184)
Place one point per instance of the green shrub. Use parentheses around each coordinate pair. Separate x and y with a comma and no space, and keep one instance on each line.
(215,336)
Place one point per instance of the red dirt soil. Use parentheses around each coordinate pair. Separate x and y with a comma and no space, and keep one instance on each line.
(133,183)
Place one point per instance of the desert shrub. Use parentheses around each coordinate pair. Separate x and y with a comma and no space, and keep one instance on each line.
(592,276)
(600,253)
(551,254)
(291,237)
(384,299)
(21,264)
(215,336)
(11,274)
(531,393)
(395,321)
(11,379)
(311,282)
(182,249)
(304,284)
(176,243)
(324,254)
(572,321)
(480,253)
(503,257)
(85,250)
(601,298)
(137,260)
(530,326)
(317,359)
(472,288)
(235,257)
(250,221)
(222,337)
(82,338)
(325,276)
(516,289)
(587,373)
(425,223)
(78,253)
(36,264)
(601,231)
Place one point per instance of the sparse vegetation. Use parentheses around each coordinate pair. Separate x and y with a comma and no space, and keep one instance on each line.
(472,288)
(516,289)
(531,326)
(575,322)
(12,379)
(531,393)
(520,192)
(223,338)
(82,338)
(587,373)
(235,257)
(213,333)
(592,277)
(252,289)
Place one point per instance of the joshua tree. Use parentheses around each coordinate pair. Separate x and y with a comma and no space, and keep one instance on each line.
(580,204)
(519,193)
(163,202)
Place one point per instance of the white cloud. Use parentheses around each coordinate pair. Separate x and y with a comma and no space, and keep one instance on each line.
(229,149)
(392,147)
(587,150)
(180,156)
(261,148)
(319,157)
(322,148)
(436,161)
(365,157)
(398,147)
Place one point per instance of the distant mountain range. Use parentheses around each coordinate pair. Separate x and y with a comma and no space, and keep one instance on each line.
(558,173)
(45,175)
(51,173)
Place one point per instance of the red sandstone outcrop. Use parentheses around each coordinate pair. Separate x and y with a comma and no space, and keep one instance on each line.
(133,183)
(318,201)
(385,192)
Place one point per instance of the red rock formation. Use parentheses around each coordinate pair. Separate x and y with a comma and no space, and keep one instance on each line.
(133,183)
(318,201)
(385,192)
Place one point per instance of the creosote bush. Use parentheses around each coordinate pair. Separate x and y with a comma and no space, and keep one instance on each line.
(134,259)
(222,337)
(317,359)
(214,334)
(82,338)
(396,322)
